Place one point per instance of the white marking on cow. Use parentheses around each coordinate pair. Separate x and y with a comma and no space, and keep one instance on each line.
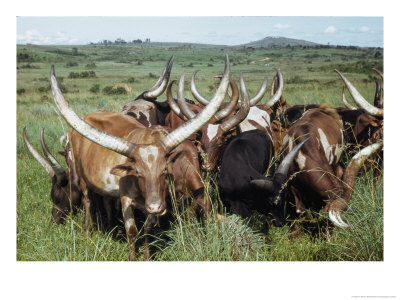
(129,223)
(212,131)
(145,155)
(257,115)
(111,183)
(325,144)
(301,160)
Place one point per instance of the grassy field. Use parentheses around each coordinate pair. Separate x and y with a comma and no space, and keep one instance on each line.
(88,72)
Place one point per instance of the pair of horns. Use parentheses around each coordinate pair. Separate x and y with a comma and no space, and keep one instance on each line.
(50,164)
(125,147)
(184,112)
(363,104)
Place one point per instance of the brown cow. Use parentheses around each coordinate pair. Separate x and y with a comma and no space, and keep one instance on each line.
(318,175)
(65,190)
(116,156)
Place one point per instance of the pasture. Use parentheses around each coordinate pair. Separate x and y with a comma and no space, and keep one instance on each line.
(87,74)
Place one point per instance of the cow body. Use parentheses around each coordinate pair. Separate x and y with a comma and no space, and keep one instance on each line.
(317,182)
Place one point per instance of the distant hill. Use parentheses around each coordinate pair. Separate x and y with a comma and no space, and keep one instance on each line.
(272,41)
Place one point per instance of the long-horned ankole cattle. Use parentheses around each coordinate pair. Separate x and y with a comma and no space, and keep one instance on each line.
(214,136)
(241,181)
(145,108)
(318,177)
(116,156)
(363,126)
(65,192)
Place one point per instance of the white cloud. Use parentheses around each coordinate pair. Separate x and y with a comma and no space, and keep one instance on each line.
(330,29)
(33,36)
(364,29)
(281,26)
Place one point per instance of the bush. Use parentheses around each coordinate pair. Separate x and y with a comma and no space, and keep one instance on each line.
(84,74)
(139,63)
(91,66)
(108,90)
(20,91)
(95,88)
(210,65)
(43,89)
(71,64)
(130,80)
(151,75)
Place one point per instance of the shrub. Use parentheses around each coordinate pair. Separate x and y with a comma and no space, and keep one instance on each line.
(151,75)
(109,90)
(71,64)
(210,65)
(43,89)
(95,88)
(130,80)
(91,66)
(20,91)
(84,74)
(139,63)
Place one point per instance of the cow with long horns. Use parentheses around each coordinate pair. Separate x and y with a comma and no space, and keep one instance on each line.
(65,191)
(232,119)
(242,182)
(116,156)
(318,183)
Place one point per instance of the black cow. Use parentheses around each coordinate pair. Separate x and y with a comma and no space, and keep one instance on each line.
(242,183)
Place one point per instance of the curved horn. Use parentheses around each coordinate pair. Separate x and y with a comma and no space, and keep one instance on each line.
(285,164)
(378,98)
(349,179)
(265,184)
(180,134)
(223,113)
(379,72)
(45,164)
(58,169)
(275,98)
(359,100)
(184,107)
(261,92)
(347,104)
(273,85)
(97,136)
(195,92)
(244,108)
(172,103)
(161,84)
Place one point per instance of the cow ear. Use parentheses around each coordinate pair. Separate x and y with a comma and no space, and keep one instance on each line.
(63,153)
(263,184)
(121,170)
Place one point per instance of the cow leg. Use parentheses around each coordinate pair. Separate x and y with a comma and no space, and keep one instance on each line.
(86,204)
(130,225)
(151,219)
(109,211)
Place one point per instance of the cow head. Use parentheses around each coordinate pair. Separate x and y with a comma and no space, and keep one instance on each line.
(146,163)
(273,187)
(64,194)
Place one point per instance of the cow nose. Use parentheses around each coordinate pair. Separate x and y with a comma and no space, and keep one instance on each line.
(156,208)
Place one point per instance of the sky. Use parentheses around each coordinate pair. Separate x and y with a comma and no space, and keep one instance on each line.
(234,30)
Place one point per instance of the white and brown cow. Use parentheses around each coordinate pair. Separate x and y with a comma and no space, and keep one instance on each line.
(116,156)
(318,176)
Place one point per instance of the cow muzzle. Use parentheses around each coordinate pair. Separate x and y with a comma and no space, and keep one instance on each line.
(156,208)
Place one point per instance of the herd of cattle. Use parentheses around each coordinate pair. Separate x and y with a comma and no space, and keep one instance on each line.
(128,157)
